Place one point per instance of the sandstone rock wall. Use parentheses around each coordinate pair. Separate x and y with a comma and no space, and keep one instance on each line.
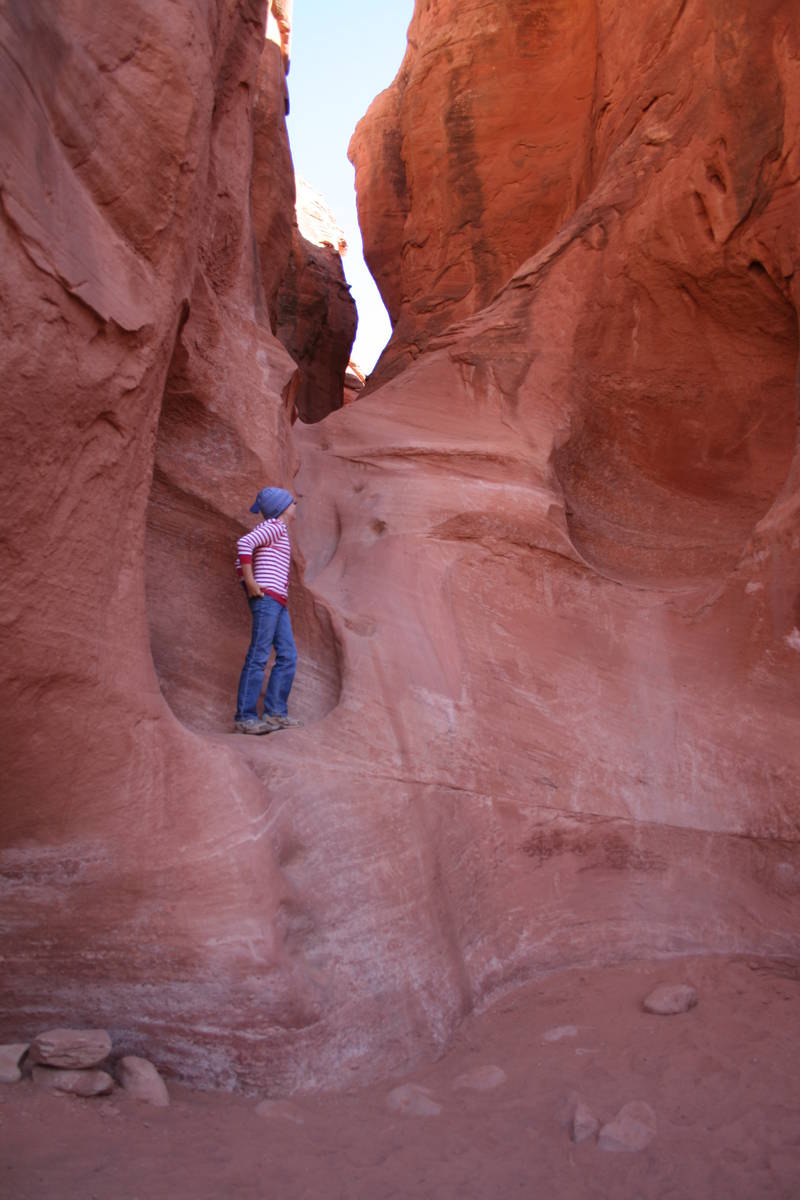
(547,580)
(562,544)
(143,390)
(315,313)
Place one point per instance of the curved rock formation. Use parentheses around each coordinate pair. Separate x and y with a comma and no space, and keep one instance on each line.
(547,589)
(142,887)
(563,543)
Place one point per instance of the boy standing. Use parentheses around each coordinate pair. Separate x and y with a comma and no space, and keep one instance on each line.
(264,557)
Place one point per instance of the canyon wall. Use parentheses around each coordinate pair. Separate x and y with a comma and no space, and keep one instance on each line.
(146,399)
(561,535)
(547,575)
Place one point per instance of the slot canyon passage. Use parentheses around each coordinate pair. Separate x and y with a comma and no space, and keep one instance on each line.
(546,592)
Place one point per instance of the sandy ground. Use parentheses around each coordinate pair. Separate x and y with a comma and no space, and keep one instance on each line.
(722,1079)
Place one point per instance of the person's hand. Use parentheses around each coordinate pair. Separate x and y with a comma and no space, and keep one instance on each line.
(253,590)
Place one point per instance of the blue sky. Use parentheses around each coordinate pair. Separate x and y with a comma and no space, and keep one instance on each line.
(342,55)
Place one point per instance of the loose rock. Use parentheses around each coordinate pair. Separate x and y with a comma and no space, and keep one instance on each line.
(74,1048)
(10,1058)
(76,1083)
(140,1079)
(481,1079)
(670,998)
(413,1101)
(560,1031)
(584,1123)
(633,1128)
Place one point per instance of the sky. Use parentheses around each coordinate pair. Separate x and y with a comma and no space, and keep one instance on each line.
(342,55)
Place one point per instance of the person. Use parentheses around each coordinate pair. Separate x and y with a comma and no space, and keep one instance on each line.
(262,565)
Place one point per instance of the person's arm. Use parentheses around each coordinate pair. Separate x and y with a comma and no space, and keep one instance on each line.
(262,535)
(253,588)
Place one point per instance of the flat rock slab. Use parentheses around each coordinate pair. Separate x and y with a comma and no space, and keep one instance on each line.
(633,1128)
(75,1083)
(413,1101)
(77,1049)
(481,1079)
(10,1057)
(140,1079)
(669,999)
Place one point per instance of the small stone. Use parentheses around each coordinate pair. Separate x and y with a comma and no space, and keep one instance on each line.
(481,1079)
(74,1048)
(10,1057)
(76,1083)
(281,1109)
(632,1129)
(670,998)
(140,1079)
(560,1031)
(584,1123)
(413,1101)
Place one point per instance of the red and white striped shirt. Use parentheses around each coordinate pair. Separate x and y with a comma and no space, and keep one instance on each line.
(270,551)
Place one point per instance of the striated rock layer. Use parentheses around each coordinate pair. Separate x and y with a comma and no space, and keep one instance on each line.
(548,575)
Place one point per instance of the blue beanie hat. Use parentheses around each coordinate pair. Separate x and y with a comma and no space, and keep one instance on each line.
(271,502)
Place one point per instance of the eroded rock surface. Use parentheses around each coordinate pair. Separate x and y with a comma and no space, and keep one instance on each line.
(136,350)
(547,581)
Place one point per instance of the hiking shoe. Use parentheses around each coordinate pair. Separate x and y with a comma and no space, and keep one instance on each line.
(256,725)
(282,722)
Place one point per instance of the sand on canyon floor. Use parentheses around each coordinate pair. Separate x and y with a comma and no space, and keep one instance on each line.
(722,1080)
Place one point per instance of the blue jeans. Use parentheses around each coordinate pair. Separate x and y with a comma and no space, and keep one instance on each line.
(272,626)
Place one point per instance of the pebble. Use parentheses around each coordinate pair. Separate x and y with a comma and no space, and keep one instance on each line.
(76,1083)
(670,998)
(74,1048)
(560,1031)
(584,1123)
(481,1079)
(413,1101)
(632,1129)
(10,1057)
(140,1079)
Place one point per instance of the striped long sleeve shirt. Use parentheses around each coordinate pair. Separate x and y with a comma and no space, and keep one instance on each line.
(270,551)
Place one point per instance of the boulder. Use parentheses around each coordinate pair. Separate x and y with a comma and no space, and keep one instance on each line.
(140,1079)
(633,1128)
(10,1057)
(75,1083)
(74,1048)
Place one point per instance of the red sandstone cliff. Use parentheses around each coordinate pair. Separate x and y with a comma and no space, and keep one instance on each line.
(547,595)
